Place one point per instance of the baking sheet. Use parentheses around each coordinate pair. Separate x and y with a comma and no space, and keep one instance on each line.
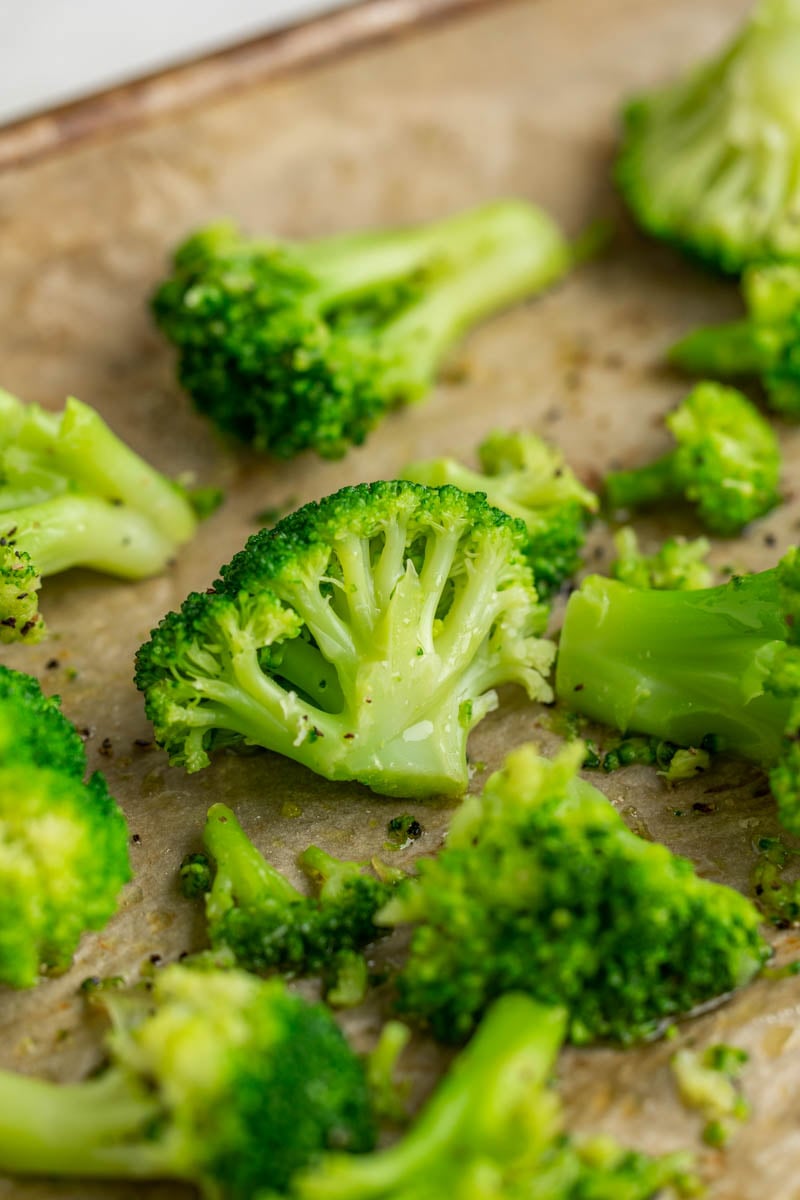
(516,100)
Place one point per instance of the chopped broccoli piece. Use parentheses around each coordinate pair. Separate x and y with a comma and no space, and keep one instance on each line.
(527,478)
(402,831)
(267,925)
(710,162)
(216,1078)
(63,843)
(363,636)
(727,462)
(777,897)
(389,1094)
(678,564)
(719,664)
(493,1128)
(765,344)
(542,887)
(295,346)
(196,875)
(708,1081)
(72,494)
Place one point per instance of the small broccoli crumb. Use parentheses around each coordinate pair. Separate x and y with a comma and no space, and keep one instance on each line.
(389,1095)
(777,897)
(709,1082)
(195,875)
(402,832)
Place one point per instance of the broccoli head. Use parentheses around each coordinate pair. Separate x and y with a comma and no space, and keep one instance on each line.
(765,344)
(527,478)
(678,564)
(267,925)
(542,888)
(727,462)
(294,346)
(710,162)
(363,636)
(216,1078)
(33,728)
(72,494)
(493,1128)
(718,667)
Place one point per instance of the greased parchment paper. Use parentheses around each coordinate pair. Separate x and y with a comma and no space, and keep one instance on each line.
(517,100)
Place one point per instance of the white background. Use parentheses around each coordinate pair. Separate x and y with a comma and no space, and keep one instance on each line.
(52,51)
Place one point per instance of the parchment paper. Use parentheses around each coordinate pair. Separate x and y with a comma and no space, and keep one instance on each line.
(519,100)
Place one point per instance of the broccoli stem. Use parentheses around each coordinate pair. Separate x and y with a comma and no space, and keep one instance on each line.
(678,665)
(330,873)
(96,1128)
(74,530)
(736,348)
(642,486)
(243,875)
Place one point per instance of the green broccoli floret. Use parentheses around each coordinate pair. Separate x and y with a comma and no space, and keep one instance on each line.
(727,462)
(295,346)
(678,564)
(717,668)
(267,925)
(362,636)
(765,344)
(710,162)
(527,478)
(72,494)
(33,728)
(542,887)
(216,1078)
(493,1128)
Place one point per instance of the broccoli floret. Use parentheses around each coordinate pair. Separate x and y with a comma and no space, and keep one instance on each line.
(527,478)
(295,346)
(493,1128)
(72,494)
(717,667)
(33,728)
(542,887)
(216,1078)
(727,462)
(765,344)
(362,636)
(678,564)
(710,161)
(267,925)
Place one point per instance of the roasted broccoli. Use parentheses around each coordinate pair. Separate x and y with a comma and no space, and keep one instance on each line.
(541,887)
(256,915)
(63,843)
(776,896)
(72,494)
(719,666)
(527,478)
(493,1128)
(710,162)
(216,1078)
(295,346)
(362,636)
(727,462)
(677,565)
(765,344)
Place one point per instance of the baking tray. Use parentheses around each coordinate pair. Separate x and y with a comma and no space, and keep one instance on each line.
(506,99)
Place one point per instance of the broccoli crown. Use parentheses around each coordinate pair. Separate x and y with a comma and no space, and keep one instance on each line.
(493,1128)
(256,914)
(765,344)
(710,161)
(73,494)
(719,666)
(363,636)
(305,346)
(63,861)
(33,728)
(543,888)
(727,462)
(528,479)
(216,1078)
(677,565)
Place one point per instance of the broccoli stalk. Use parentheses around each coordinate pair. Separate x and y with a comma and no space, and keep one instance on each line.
(493,1127)
(291,346)
(766,343)
(528,479)
(363,636)
(719,665)
(727,462)
(216,1078)
(72,494)
(710,162)
(256,915)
